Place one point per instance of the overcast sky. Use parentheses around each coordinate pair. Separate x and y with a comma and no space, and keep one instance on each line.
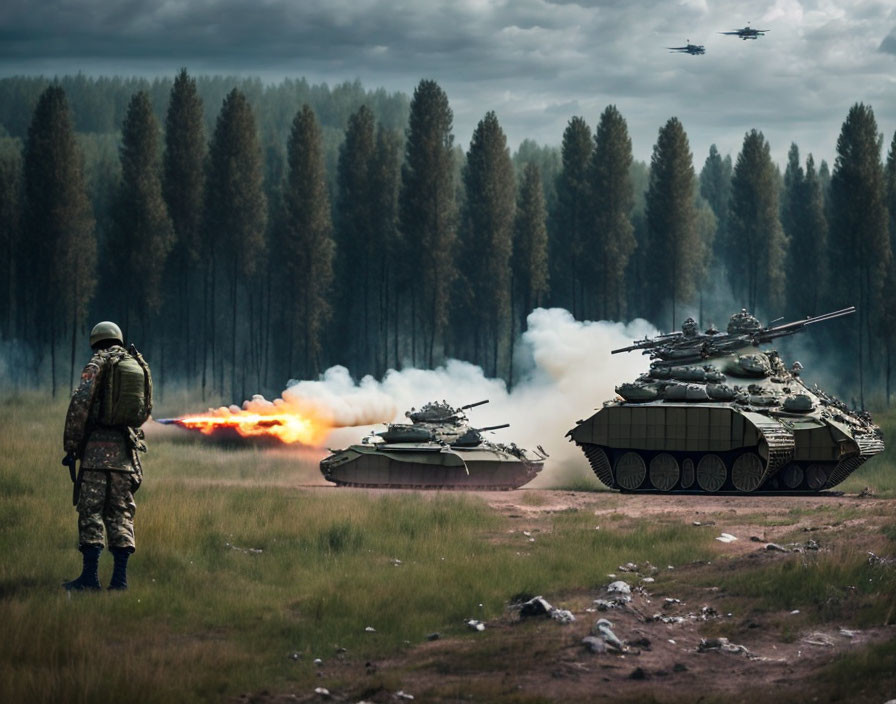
(536,63)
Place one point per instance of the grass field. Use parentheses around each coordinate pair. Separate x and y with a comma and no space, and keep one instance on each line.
(242,577)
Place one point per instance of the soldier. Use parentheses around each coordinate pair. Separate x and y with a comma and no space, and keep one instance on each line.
(107,448)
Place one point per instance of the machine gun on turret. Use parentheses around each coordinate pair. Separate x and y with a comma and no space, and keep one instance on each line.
(744,330)
(440,412)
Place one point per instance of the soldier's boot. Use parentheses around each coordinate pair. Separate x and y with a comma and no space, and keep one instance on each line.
(88,580)
(120,569)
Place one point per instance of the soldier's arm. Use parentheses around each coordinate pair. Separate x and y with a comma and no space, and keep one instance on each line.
(79,407)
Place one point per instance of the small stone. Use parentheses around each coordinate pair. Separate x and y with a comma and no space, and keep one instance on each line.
(322,691)
(536,606)
(318,661)
(638,674)
(619,587)
(370,629)
(679,667)
(604,605)
(755,539)
(562,616)
(647,580)
(433,636)
(643,642)
(294,656)
(774,547)
(475,625)
(726,538)
(400,694)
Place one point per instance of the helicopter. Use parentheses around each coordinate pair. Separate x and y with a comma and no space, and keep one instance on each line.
(747,32)
(692,49)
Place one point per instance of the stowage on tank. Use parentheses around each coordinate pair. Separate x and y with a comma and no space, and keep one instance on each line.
(438,449)
(716,413)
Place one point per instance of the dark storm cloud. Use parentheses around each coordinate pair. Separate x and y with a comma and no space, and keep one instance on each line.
(535,62)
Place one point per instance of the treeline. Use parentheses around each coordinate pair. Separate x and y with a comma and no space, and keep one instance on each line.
(239,261)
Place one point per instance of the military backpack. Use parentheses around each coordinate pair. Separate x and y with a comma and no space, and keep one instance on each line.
(126,394)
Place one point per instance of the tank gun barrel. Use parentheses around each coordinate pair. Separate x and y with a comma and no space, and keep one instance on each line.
(493,427)
(770,333)
(648,343)
(473,405)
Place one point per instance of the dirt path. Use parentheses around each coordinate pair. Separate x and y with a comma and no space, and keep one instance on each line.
(540,660)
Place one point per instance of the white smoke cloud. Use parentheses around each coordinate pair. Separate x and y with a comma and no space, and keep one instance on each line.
(568,372)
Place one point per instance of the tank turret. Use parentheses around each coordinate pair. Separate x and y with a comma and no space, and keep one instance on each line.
(717,413)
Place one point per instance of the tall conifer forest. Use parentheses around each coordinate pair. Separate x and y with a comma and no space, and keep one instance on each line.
(246,233)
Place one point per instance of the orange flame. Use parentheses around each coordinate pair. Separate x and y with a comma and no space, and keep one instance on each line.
(288,427)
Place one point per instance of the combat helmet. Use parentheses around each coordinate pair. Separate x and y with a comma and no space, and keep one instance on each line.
(106,330)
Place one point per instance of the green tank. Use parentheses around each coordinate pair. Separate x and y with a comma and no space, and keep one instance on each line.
(438,449)
(717,414)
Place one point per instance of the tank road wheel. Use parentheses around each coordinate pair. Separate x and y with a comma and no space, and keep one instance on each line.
(816,476)
(711,473)
(630,471)
(664,471)
(687,473)
(746,472)
(792,475)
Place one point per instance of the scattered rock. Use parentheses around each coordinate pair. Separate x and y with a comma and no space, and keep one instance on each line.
(811,545)
(318,661)
(323,692)
(433,636)
(537,606)
(620,588)
(774,547)
(400,694)
(294,656)
(721,645)
(679,667)
(370,629)
(848,633)
(726,538)
(647,580)
(475,625)
(638,674)
(604,605)
(876,561)
(604,629)
(755,539)
(562,616)
(628,567)
(817,638)
(395,562)
(669,602)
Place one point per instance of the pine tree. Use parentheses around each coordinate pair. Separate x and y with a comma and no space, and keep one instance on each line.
(671,218)
(385,176)
(183,185)
(860,241)
(356,247)
(756,249)
(59,244)
(487,241)
(530,246)
(235,217)
(428,214)
(807,231)
(10,238)
(142,234)
(306,246)
(569,220)
(610,240)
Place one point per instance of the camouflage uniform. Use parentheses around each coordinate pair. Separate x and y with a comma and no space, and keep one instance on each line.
(110,468)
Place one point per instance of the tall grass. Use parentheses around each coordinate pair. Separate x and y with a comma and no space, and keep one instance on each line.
(238,568)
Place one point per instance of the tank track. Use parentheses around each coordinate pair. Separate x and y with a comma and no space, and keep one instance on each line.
(427,487)
(868,447)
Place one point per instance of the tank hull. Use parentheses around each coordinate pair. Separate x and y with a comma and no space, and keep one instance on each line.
(428,467)
(663,447)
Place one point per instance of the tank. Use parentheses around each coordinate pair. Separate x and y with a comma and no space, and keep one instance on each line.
(438,449)
(716,413)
